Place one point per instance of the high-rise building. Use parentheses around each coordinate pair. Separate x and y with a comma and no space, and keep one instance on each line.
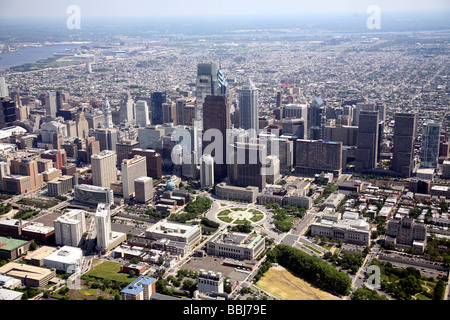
(104,170)
(158,99)
(70,227)
(153,160)
(316,120)
(143,188)
(207,171)
(7,112)
(206,84)
(3,88)
(107,138)
(246,169)
(142,116)
(404,136)
(108,114)
(123,149)
(103,225)
(316,156)
(131,170)
(248,108)
(216,115)
(430,145)
(127,109)
(168,112)
(367,145)
(51,104)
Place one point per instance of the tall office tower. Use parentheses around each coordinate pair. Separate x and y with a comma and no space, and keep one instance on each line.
(51,104)
(107,138)
(123,150)
(127,109)
(3,88)
(296,111)
(88,67)
(142,118)
(59,100)
(381,107)
(348,135)
(316,120)
(206,171)
(108,114)
(216,115)
(82,125)
(104,170)
(4,171)
(168,112)
(367,143)
(70,227)
(206,84)
(7,112)
(430,145)
(143,188)
(149,137)
(279,100)
(404,137)
(248,108)
(153,158)
(131,170)
(103,225)
(246,168)
(158,99)
(294,127)
(316,156)
(222,83)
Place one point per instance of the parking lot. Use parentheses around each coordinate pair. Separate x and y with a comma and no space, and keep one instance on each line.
(212,263)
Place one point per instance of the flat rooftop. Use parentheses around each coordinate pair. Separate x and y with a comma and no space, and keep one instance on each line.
(10,243)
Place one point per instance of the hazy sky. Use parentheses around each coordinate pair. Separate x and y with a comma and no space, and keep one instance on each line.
(110,8)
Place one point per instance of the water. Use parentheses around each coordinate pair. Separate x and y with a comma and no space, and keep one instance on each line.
(32,54)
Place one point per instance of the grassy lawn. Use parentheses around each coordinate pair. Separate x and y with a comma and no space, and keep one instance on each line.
(287,286)
(311,248)
(225,219)
(109,270)
(223,213)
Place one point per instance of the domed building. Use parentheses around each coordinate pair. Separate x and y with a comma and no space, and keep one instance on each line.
(170,186)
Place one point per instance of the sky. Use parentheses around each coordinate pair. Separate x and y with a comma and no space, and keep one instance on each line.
(124,8)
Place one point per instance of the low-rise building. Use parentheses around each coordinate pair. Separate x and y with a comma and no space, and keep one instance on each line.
(350,229)
(228,192)
(67,259)
(29,275)
(235,245)
(190,234)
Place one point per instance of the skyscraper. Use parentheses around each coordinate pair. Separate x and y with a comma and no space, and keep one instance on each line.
(127,109)
(316,120)
(3,88)
(7,112)
(248,108)
(103,225)
(207,171)
(51,104)
(142,117)
(216,115)
(206,84)
(143,188)
(430,145)
(158,98)
(104,168)
(108,114)
(153,158)
(246,168)
(404,136)
(367,140)
(131,170)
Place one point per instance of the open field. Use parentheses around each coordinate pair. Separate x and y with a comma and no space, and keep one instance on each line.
(284,284)
(108,270)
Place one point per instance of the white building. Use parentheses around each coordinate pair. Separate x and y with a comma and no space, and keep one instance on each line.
(67,259)
(210,282)
(106,238)
(69,228)
(131,170)
(143,188)
(142,116)
(104,170)
(207,171)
